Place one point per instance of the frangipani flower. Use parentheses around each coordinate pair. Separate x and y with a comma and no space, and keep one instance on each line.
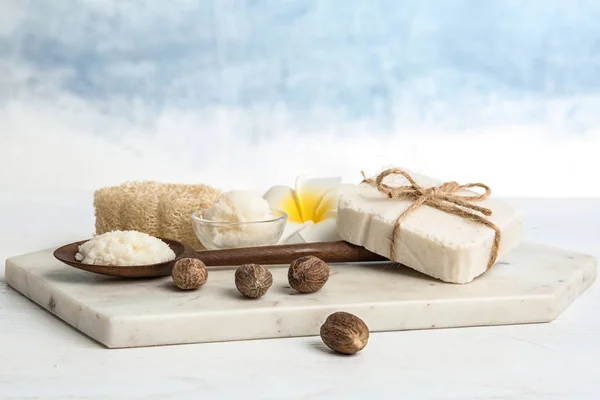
(311,209)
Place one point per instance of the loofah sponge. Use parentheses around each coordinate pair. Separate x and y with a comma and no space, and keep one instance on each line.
(158,209)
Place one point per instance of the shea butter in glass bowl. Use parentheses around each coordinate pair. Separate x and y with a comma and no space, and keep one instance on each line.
(218,235)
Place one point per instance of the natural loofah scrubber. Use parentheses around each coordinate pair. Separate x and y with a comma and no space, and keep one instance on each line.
(158,209)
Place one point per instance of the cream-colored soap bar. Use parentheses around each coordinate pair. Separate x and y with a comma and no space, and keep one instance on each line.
(436,243)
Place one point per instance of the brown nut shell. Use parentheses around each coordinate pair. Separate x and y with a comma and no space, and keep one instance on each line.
(308,274)
(345,333)
(189,274)
(253,280)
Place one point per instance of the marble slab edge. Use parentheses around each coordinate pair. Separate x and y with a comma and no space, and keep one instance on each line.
(62,306)
(383,316)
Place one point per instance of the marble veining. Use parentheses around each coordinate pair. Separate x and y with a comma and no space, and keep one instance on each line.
(532,284)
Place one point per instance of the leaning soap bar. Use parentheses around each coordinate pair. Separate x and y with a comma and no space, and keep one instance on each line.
(436,243)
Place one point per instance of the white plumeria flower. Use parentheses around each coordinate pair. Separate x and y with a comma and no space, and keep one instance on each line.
(311,209)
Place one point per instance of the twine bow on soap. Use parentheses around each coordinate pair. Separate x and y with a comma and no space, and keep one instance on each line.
(444,197)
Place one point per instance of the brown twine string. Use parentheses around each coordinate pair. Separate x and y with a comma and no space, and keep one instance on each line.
(443,197)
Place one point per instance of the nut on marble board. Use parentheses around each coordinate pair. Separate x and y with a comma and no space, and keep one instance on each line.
(344,333)
(189,274)
(253,280)
(308,274)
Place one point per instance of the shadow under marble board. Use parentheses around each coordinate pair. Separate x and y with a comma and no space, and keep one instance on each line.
(532,284)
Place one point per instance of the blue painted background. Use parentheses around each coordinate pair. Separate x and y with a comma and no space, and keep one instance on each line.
(236,91)
(353,55)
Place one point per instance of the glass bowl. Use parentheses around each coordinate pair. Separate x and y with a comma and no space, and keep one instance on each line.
(218,235)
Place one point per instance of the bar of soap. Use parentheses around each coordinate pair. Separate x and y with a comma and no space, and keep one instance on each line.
(436,243)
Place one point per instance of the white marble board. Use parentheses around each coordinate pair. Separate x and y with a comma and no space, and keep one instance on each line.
(532,284)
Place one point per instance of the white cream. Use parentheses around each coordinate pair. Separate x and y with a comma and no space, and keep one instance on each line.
(231,218)
(124,248)
(436,243)
(239,206)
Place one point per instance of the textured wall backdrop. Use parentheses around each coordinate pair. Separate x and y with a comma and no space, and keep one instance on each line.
(250,93)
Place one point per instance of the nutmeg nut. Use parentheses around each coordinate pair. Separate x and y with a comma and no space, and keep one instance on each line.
(345,333)
(308,274)
(253,280)
(189,274)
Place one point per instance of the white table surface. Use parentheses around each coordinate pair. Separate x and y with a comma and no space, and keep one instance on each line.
(42,357)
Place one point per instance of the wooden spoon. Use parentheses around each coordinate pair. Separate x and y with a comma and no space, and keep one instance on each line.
(332,252)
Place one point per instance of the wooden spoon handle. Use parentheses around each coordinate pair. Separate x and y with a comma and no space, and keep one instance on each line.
(331,252)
